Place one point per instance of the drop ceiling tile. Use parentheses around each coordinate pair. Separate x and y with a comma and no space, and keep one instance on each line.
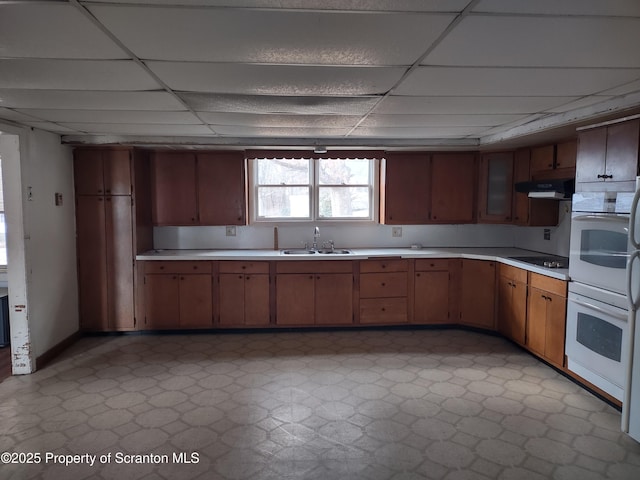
(624,89)
(273,36)
(239,131)
(114,116)
(513,81)
(506,126)
(463,120)
(583,102)
(566,7)
(51,127)
(299,105)
(279,120)
(66,32)
(395,104)
(8,114)
(519,42)
(276,80)
(74,75)
(357,5)
(416,132)
(136,129)
(89,100)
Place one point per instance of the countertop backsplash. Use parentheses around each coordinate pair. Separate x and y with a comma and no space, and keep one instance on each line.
(346,236)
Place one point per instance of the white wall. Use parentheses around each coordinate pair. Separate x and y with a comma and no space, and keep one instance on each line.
(49,240)
(365,236)
(532,238)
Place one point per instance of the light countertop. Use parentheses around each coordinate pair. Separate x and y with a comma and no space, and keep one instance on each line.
(500,255)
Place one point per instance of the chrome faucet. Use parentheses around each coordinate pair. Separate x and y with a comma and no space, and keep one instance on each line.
(316,235)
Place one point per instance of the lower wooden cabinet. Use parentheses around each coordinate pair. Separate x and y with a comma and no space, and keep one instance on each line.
(178,295)
(546,318)
(384,291)
(478,293)
(431,292)
(512,303)
(244,294)
(314,293)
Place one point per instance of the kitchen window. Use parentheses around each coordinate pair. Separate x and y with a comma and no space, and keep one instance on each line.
(313,189)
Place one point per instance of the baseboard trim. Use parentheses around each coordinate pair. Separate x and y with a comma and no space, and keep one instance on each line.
(48,356)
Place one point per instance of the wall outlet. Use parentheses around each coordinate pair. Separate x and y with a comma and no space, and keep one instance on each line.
(547,234)
(396,231)
(231,231)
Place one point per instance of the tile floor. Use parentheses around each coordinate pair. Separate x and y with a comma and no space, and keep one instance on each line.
(434,404)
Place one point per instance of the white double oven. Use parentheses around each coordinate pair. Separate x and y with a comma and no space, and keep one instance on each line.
(597,310)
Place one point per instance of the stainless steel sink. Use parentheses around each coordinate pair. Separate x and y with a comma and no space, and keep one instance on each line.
(323,251)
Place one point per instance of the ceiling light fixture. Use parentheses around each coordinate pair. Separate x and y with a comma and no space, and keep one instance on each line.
(320,149)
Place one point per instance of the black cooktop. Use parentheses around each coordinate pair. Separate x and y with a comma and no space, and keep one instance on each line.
(548,261)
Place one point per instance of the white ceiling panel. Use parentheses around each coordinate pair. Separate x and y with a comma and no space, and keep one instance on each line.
(259,104)
(276,80)
(12,115)
(514,81)
(624,89)
(137,129)
(266,36)
(275,120)
(68,32)
(461,105)
(53,127)
(114,116)
(356,5)
(404,120)
(566,42)
(416,132)
(74,75)
(238,131)
(583,102)
(89,100)
(563,7)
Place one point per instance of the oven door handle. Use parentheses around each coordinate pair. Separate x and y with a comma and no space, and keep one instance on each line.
(634,303)
(610,217)
(632,220)
(619,316)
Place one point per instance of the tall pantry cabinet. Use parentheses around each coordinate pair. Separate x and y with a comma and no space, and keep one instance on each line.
(106,240)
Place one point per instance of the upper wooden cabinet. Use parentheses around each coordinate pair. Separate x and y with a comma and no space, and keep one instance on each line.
(221,192)
(173,188)
(608,157)
(102,171)
(495,188)
(554,161)
(198,189)
(423,188)
(453,182)
(527,211)
(405,196)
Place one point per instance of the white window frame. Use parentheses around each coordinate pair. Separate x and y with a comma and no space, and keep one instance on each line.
(314,190)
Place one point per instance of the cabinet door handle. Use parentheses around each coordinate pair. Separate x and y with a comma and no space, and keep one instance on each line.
(417,274)
(383,284)
(605,176)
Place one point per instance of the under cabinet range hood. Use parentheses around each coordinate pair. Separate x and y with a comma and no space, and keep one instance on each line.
(553,189)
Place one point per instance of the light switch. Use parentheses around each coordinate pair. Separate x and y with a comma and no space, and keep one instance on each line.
(58,199)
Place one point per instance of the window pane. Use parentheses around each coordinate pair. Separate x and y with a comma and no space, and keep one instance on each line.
(351,171)
(283,171)
(344,202)
(283,202)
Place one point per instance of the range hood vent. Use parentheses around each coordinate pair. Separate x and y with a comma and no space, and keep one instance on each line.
(556,189)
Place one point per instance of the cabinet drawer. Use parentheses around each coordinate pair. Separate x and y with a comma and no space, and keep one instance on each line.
(375,285)
(368,266)
(426,265)
(513,273)
(553,285)
(177,266)
(244,267)
(383,310)
(326,266)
